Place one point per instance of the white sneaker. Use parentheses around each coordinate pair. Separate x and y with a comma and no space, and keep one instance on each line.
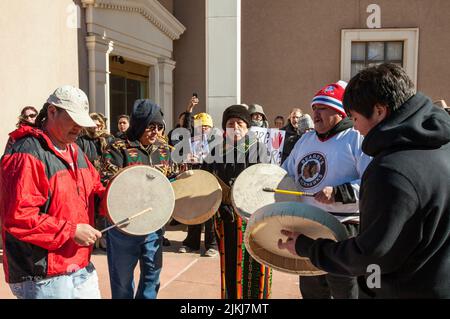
(211,253)
(186,249)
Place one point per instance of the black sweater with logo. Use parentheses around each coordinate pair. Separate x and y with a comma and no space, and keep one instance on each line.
(404,207)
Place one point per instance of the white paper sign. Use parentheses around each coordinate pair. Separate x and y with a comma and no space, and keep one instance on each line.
(273,138)
(199,149)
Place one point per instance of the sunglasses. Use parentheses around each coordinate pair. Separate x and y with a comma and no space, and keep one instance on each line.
(159,127)
(30,116)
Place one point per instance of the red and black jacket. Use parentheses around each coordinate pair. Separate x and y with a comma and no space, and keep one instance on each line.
(42,201)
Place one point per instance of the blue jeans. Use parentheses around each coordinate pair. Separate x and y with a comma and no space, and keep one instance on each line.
(82,284)
(124,251)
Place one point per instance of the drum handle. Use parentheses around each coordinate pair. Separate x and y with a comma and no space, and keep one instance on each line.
(283,191)
(126,220)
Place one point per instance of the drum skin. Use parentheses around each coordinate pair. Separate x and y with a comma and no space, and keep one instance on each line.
(134,189)
(247,194)
(197,197)
(264,229)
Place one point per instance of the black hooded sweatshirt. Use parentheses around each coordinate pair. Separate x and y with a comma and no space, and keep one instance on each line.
(290,139)
(404,207)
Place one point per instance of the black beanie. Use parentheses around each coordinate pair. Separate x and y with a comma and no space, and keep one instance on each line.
(144,112)
(238,111)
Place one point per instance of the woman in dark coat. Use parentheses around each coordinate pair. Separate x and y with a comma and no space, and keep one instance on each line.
(242,277)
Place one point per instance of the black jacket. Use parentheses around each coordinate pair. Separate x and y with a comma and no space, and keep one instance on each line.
(121,135)
(404,206)
(291,137)
(243,156)
(92,147)
(188,121)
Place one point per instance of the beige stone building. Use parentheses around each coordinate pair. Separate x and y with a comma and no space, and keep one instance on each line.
(288,49)
(274,53)
(115,50)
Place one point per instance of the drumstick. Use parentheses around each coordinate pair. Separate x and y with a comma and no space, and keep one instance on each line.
(126,220)
(284,191)
(186,174)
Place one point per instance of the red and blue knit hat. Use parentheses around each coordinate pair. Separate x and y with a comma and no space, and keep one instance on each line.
(332,96)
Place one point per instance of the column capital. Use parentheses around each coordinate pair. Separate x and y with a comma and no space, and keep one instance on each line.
(94,42)
(167,63)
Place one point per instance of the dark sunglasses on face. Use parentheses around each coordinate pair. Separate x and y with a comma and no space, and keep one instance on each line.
(152,126)
(30,116)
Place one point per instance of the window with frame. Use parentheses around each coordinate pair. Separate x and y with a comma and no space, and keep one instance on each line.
(370,53)
(361,48)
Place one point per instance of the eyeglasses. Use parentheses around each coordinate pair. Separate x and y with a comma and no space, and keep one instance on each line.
(152,126)
(30,116)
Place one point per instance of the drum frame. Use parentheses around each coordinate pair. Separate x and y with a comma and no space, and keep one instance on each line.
(182,204)
(296,265)
(170,197)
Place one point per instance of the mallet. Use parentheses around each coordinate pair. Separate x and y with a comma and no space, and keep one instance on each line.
(284,191)
(126,220)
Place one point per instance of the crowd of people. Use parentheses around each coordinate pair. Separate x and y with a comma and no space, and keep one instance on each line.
(373,153)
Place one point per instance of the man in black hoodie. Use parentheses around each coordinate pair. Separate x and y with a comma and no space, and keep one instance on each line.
(405,192)
(145,145)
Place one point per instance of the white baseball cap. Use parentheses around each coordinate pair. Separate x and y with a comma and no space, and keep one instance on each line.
(75,102)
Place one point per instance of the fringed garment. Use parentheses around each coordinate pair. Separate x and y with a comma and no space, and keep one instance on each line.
(242,277)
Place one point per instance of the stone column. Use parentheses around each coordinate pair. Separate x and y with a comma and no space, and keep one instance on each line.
(98,59)
(165,88)
(154,83)
(223,56)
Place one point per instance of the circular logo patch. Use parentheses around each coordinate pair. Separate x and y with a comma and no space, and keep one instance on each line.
(311,170)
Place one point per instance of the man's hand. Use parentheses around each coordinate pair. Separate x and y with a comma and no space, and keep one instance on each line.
(86,235)
(290,242)
(325,196)
(192,103)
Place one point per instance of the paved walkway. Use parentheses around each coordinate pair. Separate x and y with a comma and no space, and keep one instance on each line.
(184,276)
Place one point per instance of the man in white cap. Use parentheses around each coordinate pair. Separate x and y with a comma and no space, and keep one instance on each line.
(47,188)
(329,162)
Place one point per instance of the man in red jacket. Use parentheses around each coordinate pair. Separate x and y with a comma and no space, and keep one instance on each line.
(47,204)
